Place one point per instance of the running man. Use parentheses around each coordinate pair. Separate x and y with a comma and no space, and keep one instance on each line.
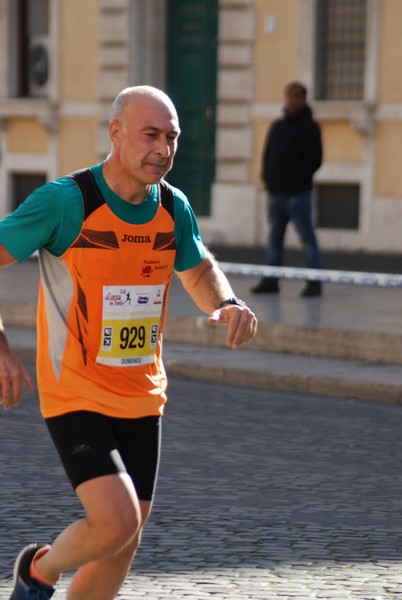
(117,226)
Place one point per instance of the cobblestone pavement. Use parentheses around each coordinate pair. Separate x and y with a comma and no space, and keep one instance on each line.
(261,495)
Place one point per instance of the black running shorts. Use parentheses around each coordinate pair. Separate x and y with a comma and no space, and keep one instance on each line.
(91,445)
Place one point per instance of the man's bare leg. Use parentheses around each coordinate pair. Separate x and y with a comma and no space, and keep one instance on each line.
(102,579)
(112,521)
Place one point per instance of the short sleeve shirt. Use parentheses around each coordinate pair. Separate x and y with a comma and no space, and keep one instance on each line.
(52,216)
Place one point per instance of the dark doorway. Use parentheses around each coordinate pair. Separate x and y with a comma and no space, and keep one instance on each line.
(191,77)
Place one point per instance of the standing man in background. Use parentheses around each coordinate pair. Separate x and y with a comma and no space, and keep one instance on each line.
(292,154)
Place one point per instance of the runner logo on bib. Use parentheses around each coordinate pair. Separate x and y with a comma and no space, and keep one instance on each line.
(130,322)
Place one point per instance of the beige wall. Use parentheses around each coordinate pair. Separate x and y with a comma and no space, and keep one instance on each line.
(26,136)
(260,132)
(77,139)
(276,52)
(341,143)
(390,53)
(388,178)
(79,49)
(276,63)
(79,70)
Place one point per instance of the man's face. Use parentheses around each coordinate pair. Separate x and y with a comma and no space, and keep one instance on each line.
(146,140)
(294,100)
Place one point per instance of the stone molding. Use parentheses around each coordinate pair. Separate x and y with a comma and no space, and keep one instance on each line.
(114,42)
(235,89)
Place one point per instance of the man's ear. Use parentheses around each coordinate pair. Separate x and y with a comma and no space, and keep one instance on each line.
(115,132)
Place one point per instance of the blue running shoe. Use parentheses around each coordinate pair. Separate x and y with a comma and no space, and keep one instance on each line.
(26,588)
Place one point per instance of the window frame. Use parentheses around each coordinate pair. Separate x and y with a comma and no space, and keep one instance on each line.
(18,44)
(307,60)
(326,86)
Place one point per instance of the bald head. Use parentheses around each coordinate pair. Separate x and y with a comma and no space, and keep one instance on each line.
(139,95)
(144,131)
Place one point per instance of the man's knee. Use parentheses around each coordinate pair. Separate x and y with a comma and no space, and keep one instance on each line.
(119,529)
(113,512)
(113,530)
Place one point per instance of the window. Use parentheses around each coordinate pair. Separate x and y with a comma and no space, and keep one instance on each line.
(340,49)
(337,206)
(23,184)
(30,64)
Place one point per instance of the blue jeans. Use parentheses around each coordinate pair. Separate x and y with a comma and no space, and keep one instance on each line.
(297,209)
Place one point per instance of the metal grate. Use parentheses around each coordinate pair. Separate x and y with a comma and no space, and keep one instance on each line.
(337,206)
(340,49)
(24,184)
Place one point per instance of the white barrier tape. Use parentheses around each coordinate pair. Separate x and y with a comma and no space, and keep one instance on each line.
(325,275)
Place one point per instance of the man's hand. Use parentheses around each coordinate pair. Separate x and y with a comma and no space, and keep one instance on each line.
(241,324)
(12,375)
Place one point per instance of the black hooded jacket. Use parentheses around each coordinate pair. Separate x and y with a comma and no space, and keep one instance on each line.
(292,153)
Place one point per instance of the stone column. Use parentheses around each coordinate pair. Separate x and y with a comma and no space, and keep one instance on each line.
(233,198)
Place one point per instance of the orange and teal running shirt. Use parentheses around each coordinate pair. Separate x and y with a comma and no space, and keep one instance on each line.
(103,299)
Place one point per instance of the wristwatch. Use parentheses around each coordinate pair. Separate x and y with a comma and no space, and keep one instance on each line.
(229,301)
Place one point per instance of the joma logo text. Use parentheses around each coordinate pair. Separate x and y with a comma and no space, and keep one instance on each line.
(136,239)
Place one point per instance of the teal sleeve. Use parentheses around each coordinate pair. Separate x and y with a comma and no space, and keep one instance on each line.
(51,217)
(190,248)
(44,220)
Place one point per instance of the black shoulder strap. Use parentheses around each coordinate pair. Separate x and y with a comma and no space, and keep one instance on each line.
(91,194)
(167,198)
(93,198)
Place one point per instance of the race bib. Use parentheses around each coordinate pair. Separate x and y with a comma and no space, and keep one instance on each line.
(130,323)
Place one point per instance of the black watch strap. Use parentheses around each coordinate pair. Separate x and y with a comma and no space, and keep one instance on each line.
(229,301)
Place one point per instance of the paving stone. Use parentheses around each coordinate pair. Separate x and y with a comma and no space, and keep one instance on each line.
(262,495)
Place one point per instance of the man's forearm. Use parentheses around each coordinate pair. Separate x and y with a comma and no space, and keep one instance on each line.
(207,285)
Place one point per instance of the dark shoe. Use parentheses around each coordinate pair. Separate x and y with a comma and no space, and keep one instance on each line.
(266,285)
(26,588)
(313,288)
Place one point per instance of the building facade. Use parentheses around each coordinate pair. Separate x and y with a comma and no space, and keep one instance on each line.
(225,63)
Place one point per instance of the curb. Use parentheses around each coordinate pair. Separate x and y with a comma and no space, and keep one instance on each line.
(271,337)
(18,314)
(277,338)
(288,382)
(282,382)
(294,339)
